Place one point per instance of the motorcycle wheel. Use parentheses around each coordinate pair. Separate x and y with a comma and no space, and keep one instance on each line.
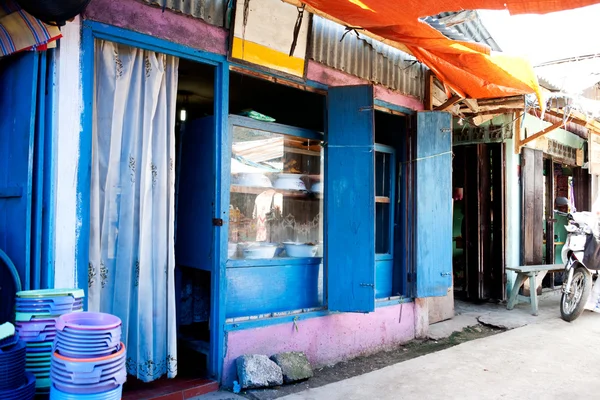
(572,304)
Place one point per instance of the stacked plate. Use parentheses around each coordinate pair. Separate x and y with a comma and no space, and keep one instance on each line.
(15,382)
(36,315)
(89,357)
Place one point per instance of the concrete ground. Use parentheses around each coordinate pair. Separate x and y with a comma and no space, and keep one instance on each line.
(550,359)
(469,314)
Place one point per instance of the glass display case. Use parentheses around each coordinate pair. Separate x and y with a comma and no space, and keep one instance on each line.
(276,202)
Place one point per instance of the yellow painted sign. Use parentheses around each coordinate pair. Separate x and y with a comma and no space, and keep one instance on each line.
(263,35)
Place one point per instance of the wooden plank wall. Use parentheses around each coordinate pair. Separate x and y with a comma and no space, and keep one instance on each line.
(533,206)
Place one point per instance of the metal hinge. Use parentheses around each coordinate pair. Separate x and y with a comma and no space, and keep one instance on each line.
(217,221)
(445,273)
(368,285)
(445,130)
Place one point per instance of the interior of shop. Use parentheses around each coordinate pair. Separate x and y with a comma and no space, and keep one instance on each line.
(275,197)
(478,238)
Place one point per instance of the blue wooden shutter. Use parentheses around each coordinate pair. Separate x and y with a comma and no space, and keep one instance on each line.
(350,200)
(19,81)
(433,208)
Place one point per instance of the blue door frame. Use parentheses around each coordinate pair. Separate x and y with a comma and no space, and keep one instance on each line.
(94,30)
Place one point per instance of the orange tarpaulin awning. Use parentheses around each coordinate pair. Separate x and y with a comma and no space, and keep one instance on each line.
(467,68)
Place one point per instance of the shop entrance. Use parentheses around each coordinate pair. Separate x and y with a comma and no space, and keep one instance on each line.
(194,274)
(478,250)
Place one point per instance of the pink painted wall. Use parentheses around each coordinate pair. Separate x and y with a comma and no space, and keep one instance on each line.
(325,340)
(331,77)
(178,28)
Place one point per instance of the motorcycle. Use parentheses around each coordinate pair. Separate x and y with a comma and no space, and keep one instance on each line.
(580,254)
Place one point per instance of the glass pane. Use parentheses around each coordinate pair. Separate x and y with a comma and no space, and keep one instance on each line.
(382,228)
(276,195)
(382,174)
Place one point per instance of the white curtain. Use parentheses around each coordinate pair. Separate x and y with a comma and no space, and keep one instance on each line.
(132,261)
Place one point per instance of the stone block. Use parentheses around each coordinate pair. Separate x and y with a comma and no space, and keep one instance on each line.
(257,370)
(294,366)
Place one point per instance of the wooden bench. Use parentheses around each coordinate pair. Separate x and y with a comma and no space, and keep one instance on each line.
(524,272)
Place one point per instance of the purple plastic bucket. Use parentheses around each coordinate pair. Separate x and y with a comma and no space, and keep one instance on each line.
(88,379)
(80,353)
(88,366)
(88,342)
(85,336)
(113,394)
(99,387)
(37,326)
(41,337)
(88,321)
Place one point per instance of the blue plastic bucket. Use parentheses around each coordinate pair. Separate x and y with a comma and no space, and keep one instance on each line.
(25,391)
(113,394)
(12,366)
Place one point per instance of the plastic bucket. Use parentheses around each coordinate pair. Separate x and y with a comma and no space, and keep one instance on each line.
(85,336)
(81,357)
(96,343)
(43,293)
(25,391)
(25,317)
(12,366)
(113,394)
(40,337)
(88,379)
(78,353)
(90,370)
(88,321)
(99,387)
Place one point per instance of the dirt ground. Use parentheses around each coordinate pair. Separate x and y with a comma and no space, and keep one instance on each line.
(363,365)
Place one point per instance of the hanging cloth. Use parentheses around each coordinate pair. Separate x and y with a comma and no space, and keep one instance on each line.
(19,31)
(132,257)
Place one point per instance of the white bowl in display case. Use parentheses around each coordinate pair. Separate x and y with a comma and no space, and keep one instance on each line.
(289,182)
(294,249)
(231,250)
(258,250)
(251,179)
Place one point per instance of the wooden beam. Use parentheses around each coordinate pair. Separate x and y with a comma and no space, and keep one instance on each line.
(449,103)
(273,79)
(471,104)
(429,90)
(541,133)
(496,111)
(517,136)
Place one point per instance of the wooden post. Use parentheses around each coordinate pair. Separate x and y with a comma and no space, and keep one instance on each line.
(517,135)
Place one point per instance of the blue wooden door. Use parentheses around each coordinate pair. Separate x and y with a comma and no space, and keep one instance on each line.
(433,204)
(350,200)
(18,98)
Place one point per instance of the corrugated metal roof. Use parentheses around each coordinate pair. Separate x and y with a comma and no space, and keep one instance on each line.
(470,30)
(211,11)
(366,58)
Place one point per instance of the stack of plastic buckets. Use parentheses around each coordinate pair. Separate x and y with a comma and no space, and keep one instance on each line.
(89,358)
(15,382)
(36,314)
